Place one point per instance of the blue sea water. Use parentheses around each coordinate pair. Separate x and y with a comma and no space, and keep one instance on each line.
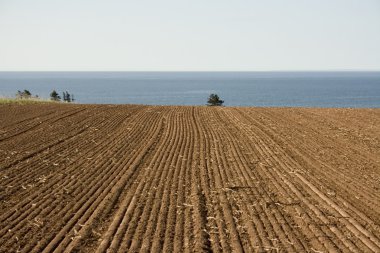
(305,89)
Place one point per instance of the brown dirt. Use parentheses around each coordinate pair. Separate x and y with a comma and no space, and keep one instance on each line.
(113,178)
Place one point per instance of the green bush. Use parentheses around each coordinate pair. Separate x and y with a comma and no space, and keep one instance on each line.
(214,100)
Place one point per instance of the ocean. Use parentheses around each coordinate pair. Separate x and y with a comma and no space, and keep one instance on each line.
(264,89)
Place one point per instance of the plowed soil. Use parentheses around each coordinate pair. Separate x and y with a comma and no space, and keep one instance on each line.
(115,178)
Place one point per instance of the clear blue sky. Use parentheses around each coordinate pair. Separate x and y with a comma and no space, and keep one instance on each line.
(219,35)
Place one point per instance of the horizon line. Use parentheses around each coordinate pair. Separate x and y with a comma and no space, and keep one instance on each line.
(189,71)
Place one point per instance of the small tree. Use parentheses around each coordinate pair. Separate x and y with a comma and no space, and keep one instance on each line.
(214,100)
(54,96)
(23,94)
(27,94)
(67,97)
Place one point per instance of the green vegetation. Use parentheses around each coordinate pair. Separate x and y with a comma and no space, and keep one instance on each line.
(26,97)
(54,96)
(214,100)
(23,94)
(5,100)
(67,97)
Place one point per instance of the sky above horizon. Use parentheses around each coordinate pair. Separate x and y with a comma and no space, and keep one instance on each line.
(197,35)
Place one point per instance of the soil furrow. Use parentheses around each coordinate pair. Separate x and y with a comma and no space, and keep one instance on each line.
(133,178)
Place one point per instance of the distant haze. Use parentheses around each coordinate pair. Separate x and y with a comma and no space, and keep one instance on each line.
(197,35)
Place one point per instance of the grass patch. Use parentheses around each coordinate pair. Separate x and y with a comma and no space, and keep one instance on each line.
(24,101)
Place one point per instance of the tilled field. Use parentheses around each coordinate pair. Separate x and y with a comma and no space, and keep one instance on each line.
(113,178)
